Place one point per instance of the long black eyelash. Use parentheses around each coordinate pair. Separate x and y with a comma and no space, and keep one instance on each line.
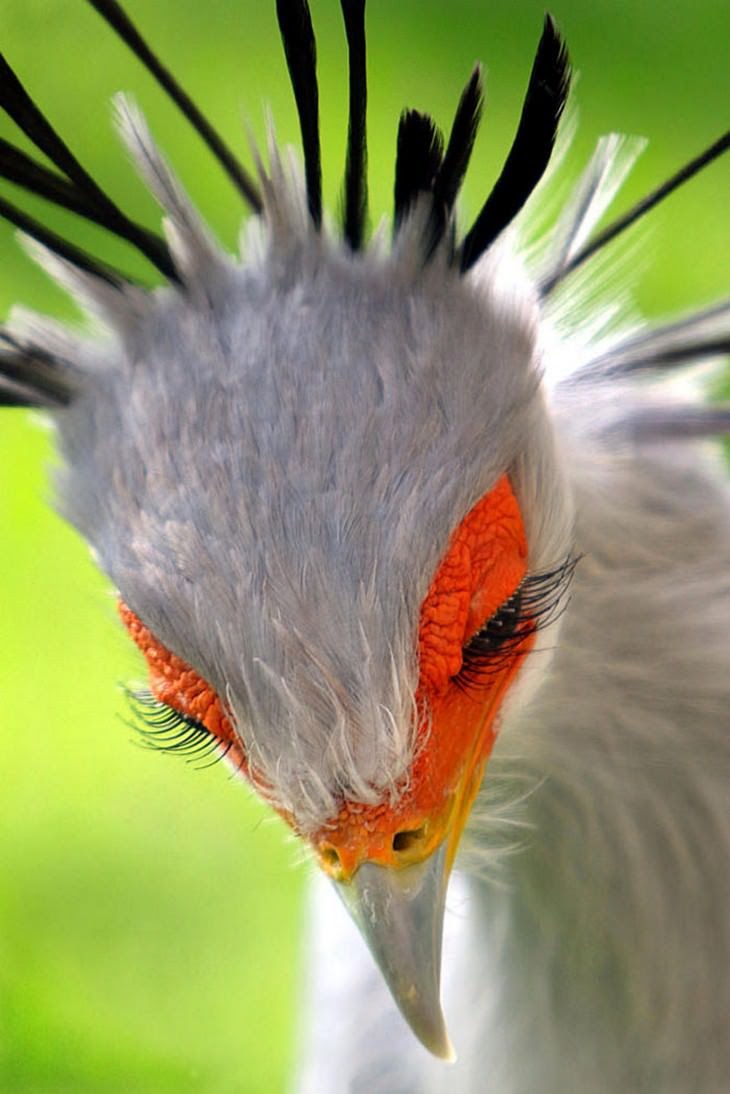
(539,600)
(164,729)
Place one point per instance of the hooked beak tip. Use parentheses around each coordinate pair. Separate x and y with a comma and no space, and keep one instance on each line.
(449,1055)
(425,1017)
(440,1045)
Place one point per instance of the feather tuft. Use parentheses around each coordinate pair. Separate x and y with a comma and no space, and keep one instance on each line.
(196,255)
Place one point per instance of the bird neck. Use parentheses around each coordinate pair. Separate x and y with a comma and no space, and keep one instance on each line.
(611,913)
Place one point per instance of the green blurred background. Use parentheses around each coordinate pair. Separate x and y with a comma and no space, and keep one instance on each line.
(150,913)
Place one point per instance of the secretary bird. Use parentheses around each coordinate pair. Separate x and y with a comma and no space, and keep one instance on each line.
(428,544)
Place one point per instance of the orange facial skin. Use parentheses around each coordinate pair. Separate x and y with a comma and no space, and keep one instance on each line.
(484,564)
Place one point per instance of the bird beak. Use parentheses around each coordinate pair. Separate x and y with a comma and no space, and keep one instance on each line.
(391,866)
(400,914)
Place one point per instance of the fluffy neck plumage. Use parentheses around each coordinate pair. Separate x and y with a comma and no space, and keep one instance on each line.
(605,944)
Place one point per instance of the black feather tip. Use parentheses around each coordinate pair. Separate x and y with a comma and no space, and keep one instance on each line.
(297,34)
(450,175)
(77,192)
(532,147)
(418,160)
(356,193)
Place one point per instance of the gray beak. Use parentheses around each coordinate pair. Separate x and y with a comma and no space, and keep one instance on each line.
(400,914)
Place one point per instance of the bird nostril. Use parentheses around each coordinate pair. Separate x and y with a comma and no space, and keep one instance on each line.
(330,857)
(409,839)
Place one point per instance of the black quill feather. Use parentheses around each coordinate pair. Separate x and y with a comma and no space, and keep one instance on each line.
(22,170)
(30,376)
(532,147)
(418,160)
(81,194)
(356,193)
(120,22)
(16,395)
(295,24)
(636,212)
(62,247)
(19,106)
(450,175)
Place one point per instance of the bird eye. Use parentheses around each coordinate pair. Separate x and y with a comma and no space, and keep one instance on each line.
(165,729)
(537,601)
(500,628)
(500,637)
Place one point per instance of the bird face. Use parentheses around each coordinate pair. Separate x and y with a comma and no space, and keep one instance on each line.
(472,636)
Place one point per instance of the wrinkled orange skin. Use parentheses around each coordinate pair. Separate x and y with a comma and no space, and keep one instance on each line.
(485,562)
(173,682)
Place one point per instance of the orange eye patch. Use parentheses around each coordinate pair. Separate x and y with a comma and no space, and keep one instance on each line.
(174,683)
(485,562)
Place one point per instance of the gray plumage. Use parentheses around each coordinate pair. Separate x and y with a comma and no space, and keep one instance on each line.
(269,462)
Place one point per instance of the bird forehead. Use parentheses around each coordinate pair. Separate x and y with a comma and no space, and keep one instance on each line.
(338,412)
(348,340)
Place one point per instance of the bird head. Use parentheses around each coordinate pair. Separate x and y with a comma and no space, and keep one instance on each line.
(323,482)
(325,545)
